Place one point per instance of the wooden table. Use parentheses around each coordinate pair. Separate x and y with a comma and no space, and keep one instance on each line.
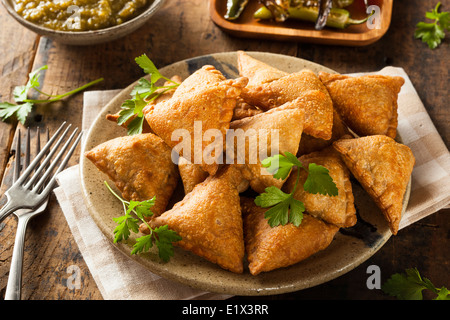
(183,29)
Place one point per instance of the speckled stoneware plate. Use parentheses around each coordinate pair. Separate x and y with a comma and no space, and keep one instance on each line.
(349,249)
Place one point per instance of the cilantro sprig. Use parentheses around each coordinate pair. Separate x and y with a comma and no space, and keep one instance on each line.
(409,286)
(144,92)
(161,236)
(284,208)
(433,33)
(23,106)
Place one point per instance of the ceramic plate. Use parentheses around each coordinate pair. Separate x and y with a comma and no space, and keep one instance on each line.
(351,246)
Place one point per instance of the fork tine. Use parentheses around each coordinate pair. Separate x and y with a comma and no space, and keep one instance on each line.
(40,155)
(17,160)
(62,165)
(44,165)
(38,140)
(49,170)
(27,149)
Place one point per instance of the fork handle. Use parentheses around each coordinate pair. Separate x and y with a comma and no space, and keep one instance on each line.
(14,286)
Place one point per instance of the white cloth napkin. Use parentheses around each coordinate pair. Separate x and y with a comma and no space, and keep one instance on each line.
(119,277)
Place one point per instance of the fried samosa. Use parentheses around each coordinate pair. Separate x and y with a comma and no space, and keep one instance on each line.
(201,78)
(194,113)
(265,134)
(270,248)
(269,87)
(140,166)
(367,104)
(337,210)
(383,167)
(257,71)
(209,220)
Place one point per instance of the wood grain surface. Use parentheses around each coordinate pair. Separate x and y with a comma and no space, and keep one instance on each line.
(180,30)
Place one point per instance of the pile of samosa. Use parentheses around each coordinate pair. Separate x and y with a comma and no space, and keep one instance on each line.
(346,124)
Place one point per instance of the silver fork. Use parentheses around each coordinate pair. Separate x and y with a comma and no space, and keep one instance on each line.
(14,286)
(30,191)
(45,183)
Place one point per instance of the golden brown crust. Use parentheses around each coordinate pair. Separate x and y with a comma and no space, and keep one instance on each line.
(383,167)
(288,123)
(270,248)
(277,92)
(367,104)
(338,210)
(257,71)
(310,144)
(140,166)
(211,106)
(200,79)
(318,114)
(209,220)
(191,174)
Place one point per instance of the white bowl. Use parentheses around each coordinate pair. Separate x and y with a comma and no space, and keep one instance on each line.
(87,37)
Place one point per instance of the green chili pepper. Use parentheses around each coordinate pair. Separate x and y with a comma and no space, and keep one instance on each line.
(235,8)
(338,18)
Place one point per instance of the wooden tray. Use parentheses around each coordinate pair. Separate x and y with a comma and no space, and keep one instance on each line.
(248,27)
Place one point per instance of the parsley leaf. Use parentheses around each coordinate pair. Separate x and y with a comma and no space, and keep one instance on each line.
(409,286)
(164,239)
(20,111)
(125,223)
(143,92)
(23,105)
(162,236)
(20,93)
(320,181)
(280,165)
(433,33)
(284,207)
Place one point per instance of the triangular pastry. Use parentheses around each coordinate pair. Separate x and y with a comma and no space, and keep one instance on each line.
(287,88)
(190,115)
(338,210)
(367,104)
(261,132)
(201,78)
(209,220)
(140,166)
(383,167)
(270,248)
(257,71)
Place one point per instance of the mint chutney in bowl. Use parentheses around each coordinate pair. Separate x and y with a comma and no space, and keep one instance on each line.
(86,22)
